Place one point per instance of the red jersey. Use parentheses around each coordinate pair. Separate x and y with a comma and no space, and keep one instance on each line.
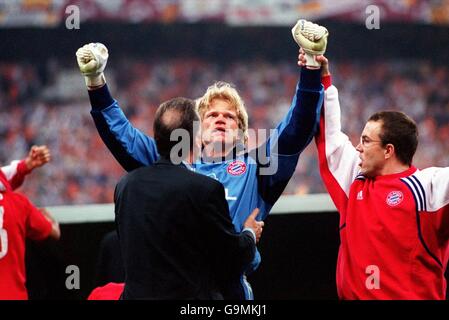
(110,291)
(394,229)
(19,219)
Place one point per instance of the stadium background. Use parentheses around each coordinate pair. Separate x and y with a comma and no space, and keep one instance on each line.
(162,49)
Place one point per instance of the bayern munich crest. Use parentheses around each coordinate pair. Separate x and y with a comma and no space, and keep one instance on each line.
(237,168)
(394,198)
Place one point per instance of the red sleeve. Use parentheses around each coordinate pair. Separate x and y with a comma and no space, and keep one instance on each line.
(15,173)
(37,226)
(18,179)
(338,158)
(326,81)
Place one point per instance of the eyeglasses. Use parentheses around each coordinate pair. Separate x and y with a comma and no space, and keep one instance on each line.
(366,142)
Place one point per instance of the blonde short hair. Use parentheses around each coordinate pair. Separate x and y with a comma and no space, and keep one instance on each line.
(225,91)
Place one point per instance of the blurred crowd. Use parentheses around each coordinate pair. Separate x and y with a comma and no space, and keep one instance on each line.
(48,104)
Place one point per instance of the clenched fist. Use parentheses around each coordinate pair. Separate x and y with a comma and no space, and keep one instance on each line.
(92,59)
(312,38)
(37,157)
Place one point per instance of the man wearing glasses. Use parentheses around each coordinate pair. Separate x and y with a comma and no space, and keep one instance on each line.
(394,218)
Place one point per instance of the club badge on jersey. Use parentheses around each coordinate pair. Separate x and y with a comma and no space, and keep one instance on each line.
(394,198)
(236,168)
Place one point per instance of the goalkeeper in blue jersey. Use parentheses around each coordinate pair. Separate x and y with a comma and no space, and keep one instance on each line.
(252,179)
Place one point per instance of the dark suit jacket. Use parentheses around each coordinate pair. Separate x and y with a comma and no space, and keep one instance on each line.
(176,236)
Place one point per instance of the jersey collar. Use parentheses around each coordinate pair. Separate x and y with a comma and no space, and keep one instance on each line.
(402,174)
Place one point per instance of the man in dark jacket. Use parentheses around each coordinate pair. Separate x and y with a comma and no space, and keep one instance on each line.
(176,236)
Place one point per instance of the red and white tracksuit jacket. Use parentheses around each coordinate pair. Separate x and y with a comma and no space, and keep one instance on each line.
(394,229)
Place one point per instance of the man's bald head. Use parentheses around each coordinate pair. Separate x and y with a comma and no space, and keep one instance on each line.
(177,113)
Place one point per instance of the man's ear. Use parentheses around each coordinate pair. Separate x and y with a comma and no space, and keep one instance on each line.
(389,151)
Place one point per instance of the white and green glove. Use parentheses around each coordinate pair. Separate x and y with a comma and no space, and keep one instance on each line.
(92,59)
(312,38)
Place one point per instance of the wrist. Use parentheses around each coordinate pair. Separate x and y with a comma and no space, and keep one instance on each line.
(95,82)
(311,63)
(251,231)
(25,166)
(28,164)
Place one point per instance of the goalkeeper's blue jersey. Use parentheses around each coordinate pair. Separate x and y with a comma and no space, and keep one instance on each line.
(244,177)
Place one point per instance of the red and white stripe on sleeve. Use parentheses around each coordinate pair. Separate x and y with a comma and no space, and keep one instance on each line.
(15,173)
(430,188)
(338,158)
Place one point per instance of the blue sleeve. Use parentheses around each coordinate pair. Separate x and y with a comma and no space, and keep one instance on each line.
(292,135)
(131,147)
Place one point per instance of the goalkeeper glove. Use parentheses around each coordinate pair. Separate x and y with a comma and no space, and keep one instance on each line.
(312,38)
(92,59)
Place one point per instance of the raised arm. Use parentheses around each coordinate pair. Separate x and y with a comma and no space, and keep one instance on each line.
(16,171)
(131,147)
(299,125)
(338,158)
(291,136)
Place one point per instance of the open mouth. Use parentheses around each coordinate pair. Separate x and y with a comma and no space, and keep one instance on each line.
(220,130)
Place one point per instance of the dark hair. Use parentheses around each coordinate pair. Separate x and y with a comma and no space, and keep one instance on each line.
(399,130)
(177,113)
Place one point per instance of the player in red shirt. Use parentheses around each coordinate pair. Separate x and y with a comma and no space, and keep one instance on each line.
(20,219)
(394,218)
